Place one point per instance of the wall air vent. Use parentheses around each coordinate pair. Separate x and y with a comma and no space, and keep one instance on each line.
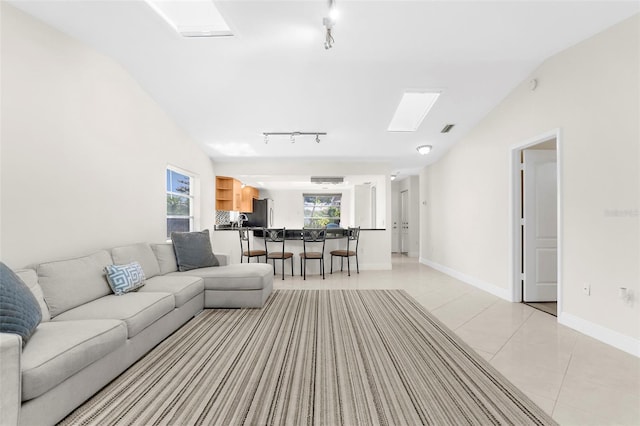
(327,179)
(447,128)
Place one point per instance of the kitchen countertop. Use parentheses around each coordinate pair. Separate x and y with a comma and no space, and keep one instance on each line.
(329,230)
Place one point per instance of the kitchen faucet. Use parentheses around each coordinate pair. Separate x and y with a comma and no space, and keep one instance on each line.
(241,219)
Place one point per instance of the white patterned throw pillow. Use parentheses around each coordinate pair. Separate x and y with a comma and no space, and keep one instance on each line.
(125,278)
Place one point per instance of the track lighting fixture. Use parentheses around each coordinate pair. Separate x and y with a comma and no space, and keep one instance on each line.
(328,22)
(293,135)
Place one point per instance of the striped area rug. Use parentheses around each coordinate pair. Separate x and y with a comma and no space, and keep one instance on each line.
(312,357)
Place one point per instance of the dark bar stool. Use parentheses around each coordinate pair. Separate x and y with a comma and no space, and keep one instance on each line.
(353,237)
(313,237)
(276,236)
(246,242)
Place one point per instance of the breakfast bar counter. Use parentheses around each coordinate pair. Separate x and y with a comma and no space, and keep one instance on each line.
(296,234)
(374,250)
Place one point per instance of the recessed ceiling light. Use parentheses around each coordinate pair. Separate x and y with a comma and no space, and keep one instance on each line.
(412,109)
(193,18)
(424,149)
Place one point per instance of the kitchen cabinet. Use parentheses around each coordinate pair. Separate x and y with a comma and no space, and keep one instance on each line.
(228,194)
(248,194)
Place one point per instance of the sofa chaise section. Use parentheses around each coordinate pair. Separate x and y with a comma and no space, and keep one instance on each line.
(246,285)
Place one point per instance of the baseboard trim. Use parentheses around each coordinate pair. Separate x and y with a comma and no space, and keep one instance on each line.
(500,292)
(606,335)
(610,337)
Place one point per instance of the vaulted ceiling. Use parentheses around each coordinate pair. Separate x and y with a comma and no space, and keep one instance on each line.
(275,75)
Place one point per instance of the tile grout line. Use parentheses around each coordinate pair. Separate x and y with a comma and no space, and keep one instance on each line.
(514,333)
(451,301)
(476,315)
(564,376)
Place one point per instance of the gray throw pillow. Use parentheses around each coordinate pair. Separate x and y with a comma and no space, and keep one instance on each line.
(19,310)
(193,250)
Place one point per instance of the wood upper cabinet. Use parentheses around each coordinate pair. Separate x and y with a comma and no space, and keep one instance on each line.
(228,193)
(248,194)
(231,196)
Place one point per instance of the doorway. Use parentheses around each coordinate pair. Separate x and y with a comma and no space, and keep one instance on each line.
(536,213)
(404,222)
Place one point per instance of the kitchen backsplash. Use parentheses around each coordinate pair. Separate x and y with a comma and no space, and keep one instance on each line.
(222,218)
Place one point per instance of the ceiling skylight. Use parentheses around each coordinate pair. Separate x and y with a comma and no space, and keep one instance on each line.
(192,18)
(413,108)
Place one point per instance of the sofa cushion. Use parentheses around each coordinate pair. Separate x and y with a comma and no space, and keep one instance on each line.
(30,278)
(59,349)
(140,253)
(243,276)
(137,310)
(183,288)
(19,310)
(125,278)
(193,250)
(74,282)
(166,257)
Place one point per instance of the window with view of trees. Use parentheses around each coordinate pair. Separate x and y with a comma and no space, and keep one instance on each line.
(321,210)
(179,202)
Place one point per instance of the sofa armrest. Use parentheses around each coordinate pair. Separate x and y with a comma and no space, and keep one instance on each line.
(11,378)
(223,258)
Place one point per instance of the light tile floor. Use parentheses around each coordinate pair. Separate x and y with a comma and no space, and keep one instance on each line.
(576,379)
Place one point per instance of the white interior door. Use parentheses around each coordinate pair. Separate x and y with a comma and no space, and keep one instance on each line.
(395,218)
(404,222)
(540,236)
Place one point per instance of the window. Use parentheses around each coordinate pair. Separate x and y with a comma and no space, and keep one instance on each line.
(180,201)
(321,210)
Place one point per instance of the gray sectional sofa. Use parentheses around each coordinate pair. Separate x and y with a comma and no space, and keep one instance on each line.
(88,335)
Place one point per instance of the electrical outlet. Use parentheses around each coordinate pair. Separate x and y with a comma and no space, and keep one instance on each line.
(586,289)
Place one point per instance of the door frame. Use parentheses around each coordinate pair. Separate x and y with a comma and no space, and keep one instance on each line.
(515,200)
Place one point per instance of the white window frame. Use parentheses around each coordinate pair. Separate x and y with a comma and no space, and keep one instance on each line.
(320,194)
(194,199)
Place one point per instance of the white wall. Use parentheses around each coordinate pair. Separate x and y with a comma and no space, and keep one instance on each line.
(591,93)
(362,206)
(84,149)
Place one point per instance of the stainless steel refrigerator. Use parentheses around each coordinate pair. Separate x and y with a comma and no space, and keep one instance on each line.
(262,216)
